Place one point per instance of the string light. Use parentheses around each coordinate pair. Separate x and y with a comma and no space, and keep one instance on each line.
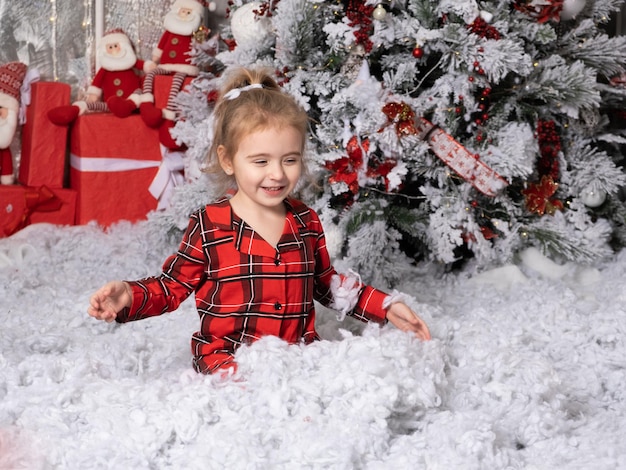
(88,25)
(53,21)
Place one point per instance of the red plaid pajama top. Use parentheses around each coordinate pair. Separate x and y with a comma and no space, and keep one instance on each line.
(245,288)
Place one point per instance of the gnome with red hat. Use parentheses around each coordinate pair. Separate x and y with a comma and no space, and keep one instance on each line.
(172,55)
(119,75)
(11,79)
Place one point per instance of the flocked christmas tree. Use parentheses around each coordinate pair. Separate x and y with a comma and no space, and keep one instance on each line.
(450,131)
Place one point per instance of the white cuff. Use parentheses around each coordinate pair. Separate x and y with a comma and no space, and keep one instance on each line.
(345,292)
(394,297)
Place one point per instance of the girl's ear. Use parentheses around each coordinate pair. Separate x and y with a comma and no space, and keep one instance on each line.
(225,162)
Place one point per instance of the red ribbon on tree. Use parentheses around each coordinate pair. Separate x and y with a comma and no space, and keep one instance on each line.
(40,199)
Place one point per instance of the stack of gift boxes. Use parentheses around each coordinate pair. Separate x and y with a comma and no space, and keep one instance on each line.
(103,172)
(40,195)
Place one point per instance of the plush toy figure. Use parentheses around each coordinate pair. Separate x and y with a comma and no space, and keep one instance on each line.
(119,75)
(170,56)
(11,79)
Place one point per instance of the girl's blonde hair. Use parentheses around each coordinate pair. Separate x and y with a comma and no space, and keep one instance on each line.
(250,110)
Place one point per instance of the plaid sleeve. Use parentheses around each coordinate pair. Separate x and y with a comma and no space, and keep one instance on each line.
(182,273)
(368,301)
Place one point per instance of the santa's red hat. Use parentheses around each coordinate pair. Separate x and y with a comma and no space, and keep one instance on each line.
(116,36)
(11,78)
(197,6)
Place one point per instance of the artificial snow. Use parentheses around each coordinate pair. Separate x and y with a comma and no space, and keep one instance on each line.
(526,370)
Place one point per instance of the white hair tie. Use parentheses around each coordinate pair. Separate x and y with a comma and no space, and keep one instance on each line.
(235,92)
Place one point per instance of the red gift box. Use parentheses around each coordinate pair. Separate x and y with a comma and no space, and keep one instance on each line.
(117,164)
(44,144)
(21,206)
(113,162)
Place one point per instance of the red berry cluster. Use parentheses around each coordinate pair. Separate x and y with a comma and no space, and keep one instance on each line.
(483,106)
(360,15)
(264,9)
(282,76)
(549,146)
(483,29)
(482,115)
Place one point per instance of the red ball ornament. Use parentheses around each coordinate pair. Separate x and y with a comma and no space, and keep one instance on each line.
(418,52)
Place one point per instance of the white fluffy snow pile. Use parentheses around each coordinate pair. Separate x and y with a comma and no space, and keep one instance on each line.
(526,369)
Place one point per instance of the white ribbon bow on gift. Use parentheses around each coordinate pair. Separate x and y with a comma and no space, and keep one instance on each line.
(168,177)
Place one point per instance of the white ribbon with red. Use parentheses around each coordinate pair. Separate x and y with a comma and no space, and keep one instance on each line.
(452,153)
(169,174)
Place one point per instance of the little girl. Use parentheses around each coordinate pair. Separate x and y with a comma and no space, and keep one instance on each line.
(256,261)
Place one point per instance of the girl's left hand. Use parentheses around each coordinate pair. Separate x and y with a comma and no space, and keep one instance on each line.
(405,319)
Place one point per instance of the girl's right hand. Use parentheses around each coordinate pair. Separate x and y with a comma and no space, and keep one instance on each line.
(111,298)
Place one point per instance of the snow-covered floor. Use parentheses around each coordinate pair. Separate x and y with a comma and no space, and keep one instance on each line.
(527,369)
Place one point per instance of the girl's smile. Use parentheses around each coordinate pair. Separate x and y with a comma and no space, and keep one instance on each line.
(267,166)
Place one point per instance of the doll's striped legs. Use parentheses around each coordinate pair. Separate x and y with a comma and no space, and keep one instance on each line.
(153,116)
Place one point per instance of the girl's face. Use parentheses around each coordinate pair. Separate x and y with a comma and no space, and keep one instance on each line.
(267,166)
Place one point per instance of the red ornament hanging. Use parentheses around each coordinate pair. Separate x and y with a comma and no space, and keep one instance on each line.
(418,52)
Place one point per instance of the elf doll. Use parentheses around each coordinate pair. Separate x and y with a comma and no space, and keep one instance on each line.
(172,55)
(119,75)
(11,78)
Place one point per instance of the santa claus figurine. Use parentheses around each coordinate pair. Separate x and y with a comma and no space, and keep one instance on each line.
(172,55)
(11,79)
(120,74)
